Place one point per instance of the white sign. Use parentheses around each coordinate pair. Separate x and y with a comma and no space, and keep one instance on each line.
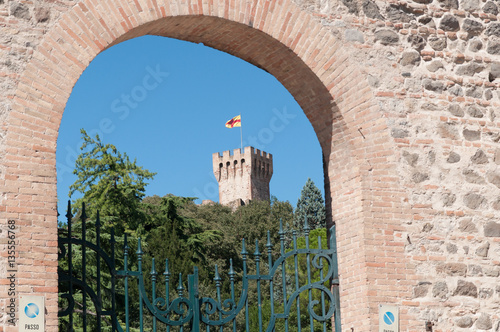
(32,313)
(388,320)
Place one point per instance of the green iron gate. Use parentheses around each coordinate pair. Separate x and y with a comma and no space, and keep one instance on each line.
(107,288)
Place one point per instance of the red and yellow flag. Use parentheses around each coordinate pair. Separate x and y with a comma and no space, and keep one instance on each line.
(234,122)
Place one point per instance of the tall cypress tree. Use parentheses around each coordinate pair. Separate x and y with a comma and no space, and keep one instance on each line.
(312,205)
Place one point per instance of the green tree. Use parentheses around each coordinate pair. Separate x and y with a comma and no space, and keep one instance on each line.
(110,183)
(113,185)
(169,233)
(250,222)
(310,205)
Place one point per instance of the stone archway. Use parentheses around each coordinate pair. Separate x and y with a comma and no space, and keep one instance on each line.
(277,36)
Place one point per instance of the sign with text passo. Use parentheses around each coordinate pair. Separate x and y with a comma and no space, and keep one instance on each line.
(388,318)
(32,313)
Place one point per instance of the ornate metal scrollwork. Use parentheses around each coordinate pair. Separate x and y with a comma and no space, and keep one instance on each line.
(318,285)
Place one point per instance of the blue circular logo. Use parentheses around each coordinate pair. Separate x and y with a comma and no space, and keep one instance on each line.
(31,310)
(389,318)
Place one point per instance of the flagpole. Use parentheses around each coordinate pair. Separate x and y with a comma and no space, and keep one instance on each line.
(241,135)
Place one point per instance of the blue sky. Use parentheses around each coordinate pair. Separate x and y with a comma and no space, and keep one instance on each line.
(165,102)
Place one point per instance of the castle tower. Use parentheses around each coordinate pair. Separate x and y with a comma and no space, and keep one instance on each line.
(243,177)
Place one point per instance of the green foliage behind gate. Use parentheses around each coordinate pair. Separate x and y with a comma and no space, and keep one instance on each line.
(106,290)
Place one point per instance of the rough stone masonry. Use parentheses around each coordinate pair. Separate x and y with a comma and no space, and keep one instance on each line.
(404,99)
(242,175)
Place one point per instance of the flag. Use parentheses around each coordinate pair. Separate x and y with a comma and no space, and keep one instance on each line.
(234,122)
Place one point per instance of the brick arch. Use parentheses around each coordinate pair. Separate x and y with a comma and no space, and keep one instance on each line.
(275,36)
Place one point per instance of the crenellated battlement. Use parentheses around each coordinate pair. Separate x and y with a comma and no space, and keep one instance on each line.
(243,175)
(252,160)
(247,151)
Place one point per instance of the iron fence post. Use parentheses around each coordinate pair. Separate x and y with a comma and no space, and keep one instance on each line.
(194,300)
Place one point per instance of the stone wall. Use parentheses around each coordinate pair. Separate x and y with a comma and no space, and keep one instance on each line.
(403,96)
(434,69)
